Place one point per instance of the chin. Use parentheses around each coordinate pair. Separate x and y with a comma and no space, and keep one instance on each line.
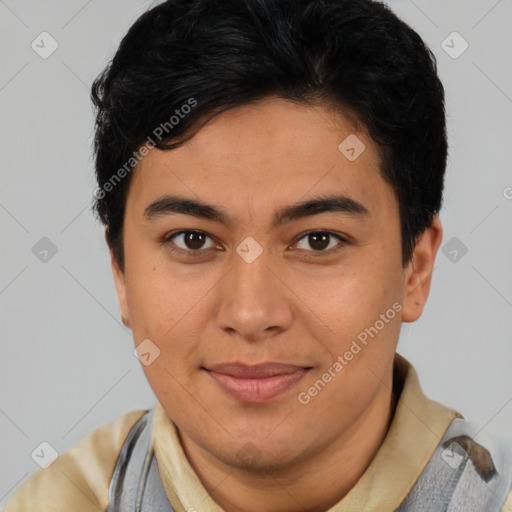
(259,455)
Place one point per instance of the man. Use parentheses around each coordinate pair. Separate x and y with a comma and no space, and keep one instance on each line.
(270,174)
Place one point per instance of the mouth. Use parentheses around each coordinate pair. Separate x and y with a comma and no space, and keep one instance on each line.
(256,383)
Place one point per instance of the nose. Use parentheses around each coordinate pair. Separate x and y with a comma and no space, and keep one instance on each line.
(255,300)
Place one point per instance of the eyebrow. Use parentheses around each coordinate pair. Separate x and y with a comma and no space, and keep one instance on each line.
(172,204)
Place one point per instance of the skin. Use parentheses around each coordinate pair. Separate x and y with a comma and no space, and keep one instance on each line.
(288,305)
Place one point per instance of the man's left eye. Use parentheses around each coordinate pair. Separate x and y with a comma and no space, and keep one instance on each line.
(319,241)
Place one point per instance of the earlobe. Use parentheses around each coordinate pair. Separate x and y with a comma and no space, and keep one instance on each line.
(418,275)
(120,284)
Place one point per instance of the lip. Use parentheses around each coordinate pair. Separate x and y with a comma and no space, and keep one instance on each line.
(256,383)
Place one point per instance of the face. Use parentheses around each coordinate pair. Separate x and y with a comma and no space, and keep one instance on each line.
(277,308)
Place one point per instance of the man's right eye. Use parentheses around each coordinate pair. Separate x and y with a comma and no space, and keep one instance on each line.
(191,241)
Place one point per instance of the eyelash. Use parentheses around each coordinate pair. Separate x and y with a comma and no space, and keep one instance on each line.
(168,238)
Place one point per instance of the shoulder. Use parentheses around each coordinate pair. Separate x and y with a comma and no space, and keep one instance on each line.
(507,506)
(78,479)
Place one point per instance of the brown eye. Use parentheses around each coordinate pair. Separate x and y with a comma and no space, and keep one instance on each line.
(319,241)
(192,241)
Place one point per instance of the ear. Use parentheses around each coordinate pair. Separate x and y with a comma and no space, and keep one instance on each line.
(418,274)
(119,281)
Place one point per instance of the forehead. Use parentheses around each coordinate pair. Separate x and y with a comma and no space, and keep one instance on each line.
(265,154)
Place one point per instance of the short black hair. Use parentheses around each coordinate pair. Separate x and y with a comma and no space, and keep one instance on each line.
(185,61)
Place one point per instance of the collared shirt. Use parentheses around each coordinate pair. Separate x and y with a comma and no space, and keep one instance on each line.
(79,479)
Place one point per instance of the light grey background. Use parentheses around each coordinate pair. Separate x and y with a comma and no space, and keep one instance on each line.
(66,364)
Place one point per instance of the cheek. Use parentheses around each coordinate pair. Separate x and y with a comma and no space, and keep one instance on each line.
(151,304)
(158,298)
(352,298)
(169,309)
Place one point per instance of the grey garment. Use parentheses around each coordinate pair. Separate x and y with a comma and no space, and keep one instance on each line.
(461,476)
(136,485)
